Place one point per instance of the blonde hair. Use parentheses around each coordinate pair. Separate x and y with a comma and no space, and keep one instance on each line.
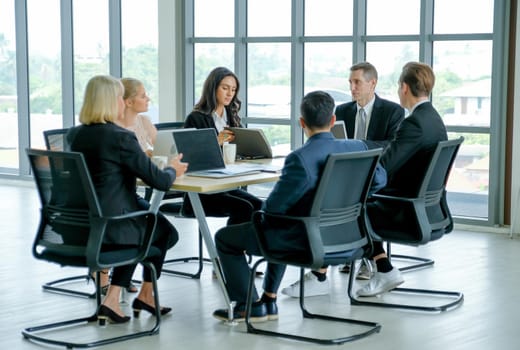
(131,86)
(100,104)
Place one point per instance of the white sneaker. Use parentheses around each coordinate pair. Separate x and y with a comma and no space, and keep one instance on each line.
(313,287)
(381,283)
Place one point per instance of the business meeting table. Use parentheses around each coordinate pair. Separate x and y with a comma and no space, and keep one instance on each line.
(194,186)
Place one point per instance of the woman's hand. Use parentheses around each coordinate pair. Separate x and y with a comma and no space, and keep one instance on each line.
(180,167)
(225,136)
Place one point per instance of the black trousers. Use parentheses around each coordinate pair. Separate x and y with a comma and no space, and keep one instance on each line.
(231,242)
(165,237)
(238,205)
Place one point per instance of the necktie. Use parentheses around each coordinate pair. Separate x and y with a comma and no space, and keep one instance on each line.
(361,127)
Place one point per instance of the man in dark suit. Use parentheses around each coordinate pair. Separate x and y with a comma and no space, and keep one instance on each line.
(368,117)
(405,160)
(293,195)
(372,119)
(382,117)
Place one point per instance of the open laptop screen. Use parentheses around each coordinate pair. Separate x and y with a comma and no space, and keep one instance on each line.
(252,143)
(199,148)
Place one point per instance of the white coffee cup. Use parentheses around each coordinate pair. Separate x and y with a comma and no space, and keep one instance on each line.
(229,151)
(160,161)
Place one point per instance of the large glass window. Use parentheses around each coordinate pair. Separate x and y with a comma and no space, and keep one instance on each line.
(404,19)
(463,16)
(91,50)
(332,17)
(8,93)
(462,95)
(140,48)
(268,17)
(269,80)
(326,38)
(44,68)
(214,18)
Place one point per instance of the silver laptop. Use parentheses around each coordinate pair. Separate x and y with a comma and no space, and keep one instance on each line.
(251,143)
(338,130)
(164,145)
(200,149)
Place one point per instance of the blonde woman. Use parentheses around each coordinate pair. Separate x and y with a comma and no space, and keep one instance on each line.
(115,160)
(136,102)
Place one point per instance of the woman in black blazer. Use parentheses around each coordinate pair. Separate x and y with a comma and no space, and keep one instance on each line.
(218,108)
(115,160)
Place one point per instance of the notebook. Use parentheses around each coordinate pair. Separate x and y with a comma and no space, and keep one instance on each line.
(251,143)
(200,149)
(338,130)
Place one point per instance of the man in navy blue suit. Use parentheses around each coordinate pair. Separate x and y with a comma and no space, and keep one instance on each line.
(292,195)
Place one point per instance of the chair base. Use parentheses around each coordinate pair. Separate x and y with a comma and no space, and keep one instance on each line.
(372,327)
(200,259)
(456,299)
(420,263)
(35,333)
(52,287)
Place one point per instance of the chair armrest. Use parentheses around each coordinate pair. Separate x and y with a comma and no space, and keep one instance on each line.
(290,240)
(392,198)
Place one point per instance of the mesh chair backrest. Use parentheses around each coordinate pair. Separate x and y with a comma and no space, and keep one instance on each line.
(433,188)
(56,140)
(340,198)
(67,197)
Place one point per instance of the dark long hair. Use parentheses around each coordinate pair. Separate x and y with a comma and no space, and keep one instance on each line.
(208,100)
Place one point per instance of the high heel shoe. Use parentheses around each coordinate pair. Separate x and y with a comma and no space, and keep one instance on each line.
(139,305)
(105,313)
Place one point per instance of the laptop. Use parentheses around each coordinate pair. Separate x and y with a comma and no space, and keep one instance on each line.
(251,143)
(164,145)
(338,130)
(200,149)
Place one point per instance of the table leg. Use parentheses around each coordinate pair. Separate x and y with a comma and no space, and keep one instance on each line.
(212,250)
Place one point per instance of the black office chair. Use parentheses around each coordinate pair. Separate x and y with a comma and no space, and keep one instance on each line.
(71,233)
(55,140)
(425,218)
(335,232)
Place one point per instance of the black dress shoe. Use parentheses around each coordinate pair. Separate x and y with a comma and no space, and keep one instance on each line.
(258,313)
(139,305)
(105,313)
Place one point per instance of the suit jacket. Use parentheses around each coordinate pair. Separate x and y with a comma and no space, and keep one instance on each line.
(115,159)
(200,120)
(384,121)
(407,156)
(294,192)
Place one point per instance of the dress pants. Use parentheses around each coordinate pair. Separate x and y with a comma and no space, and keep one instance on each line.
(238,205)
(231,242)
(165,237)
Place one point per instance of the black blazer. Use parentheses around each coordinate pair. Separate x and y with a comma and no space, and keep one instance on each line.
(115,159)
(199,120)
(384,121)
(406,158)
